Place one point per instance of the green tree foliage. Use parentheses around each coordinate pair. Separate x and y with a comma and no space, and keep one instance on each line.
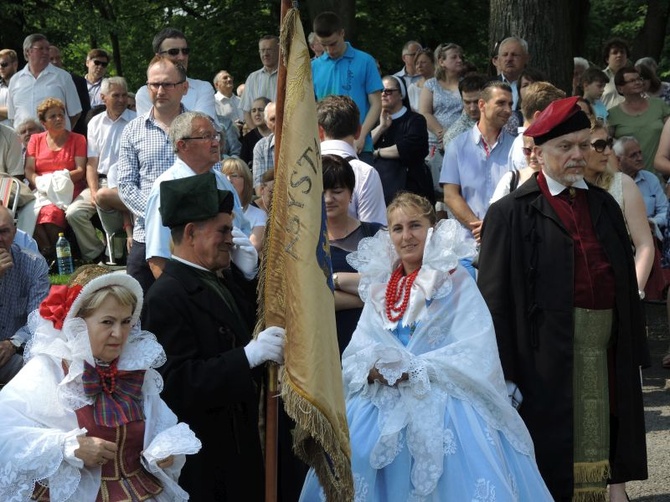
(224,34)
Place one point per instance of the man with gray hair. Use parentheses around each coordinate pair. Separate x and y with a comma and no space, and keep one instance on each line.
(631,162)
(195,142)
(408,71)
(39,80)
(229,114)
(104,143)
(512,59)
(315,45)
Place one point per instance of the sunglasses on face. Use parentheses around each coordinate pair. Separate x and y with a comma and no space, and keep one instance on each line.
(390,91)
(175,52)
(4,65)
(599,145)
(100,63)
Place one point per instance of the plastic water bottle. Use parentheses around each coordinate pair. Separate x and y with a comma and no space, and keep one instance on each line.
(64,255)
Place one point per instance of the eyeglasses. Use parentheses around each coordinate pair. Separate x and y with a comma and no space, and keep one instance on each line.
(175,52)
(390,91)
(599,145)
(100,63)
(634,80)
(154,86)
(43,48)
(208,137)
(4,65)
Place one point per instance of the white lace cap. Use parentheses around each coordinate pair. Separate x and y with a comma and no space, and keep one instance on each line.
(111,279)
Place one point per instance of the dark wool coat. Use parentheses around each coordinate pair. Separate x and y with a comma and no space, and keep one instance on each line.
(208,383)
(526,277)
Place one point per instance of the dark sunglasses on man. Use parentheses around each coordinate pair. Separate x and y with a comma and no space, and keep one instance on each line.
(97,62)
(175,52)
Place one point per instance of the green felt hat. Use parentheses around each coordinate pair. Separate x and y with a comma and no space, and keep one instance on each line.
(196,198)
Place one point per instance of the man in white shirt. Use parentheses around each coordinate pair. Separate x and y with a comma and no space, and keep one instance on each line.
(228,104)
(172,44)
(39,80)
(104,141)
(339,126)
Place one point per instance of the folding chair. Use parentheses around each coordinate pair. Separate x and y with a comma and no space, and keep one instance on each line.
(9,193)
(112,224)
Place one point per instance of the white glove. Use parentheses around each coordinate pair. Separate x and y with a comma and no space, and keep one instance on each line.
(267,346)
(244,254)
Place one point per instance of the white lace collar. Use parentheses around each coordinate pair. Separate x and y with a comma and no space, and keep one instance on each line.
(71,344)
(376,258)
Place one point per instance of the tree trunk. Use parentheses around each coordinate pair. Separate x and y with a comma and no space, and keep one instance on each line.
(650,39)
(545,25)
(579,16)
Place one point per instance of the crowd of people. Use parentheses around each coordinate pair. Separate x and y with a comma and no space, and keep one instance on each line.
(492,240)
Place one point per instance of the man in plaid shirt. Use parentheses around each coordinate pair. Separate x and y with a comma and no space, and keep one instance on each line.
(146,152)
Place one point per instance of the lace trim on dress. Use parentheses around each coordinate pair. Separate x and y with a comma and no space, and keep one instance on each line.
(452,354)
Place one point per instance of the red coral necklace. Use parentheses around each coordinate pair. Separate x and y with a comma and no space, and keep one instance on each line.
(108,376)
(397,293)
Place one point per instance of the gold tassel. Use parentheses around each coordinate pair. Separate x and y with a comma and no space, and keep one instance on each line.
(291,17)
(307,448)
(591,472)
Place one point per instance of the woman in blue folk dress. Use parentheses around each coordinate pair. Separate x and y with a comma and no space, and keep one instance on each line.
(428,411)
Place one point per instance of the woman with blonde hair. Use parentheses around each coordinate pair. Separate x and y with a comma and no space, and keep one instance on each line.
(440,102)
(239,175)
(624,190)
(83,419)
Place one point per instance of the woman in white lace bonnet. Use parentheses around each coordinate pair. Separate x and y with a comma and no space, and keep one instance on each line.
(428,410)
(83,419)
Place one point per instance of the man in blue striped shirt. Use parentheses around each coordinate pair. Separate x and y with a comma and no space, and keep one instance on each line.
(146,152)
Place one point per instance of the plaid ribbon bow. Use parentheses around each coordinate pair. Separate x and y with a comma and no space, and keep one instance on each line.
(117,400)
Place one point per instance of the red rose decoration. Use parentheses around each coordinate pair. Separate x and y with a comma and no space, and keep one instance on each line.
(57,304)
